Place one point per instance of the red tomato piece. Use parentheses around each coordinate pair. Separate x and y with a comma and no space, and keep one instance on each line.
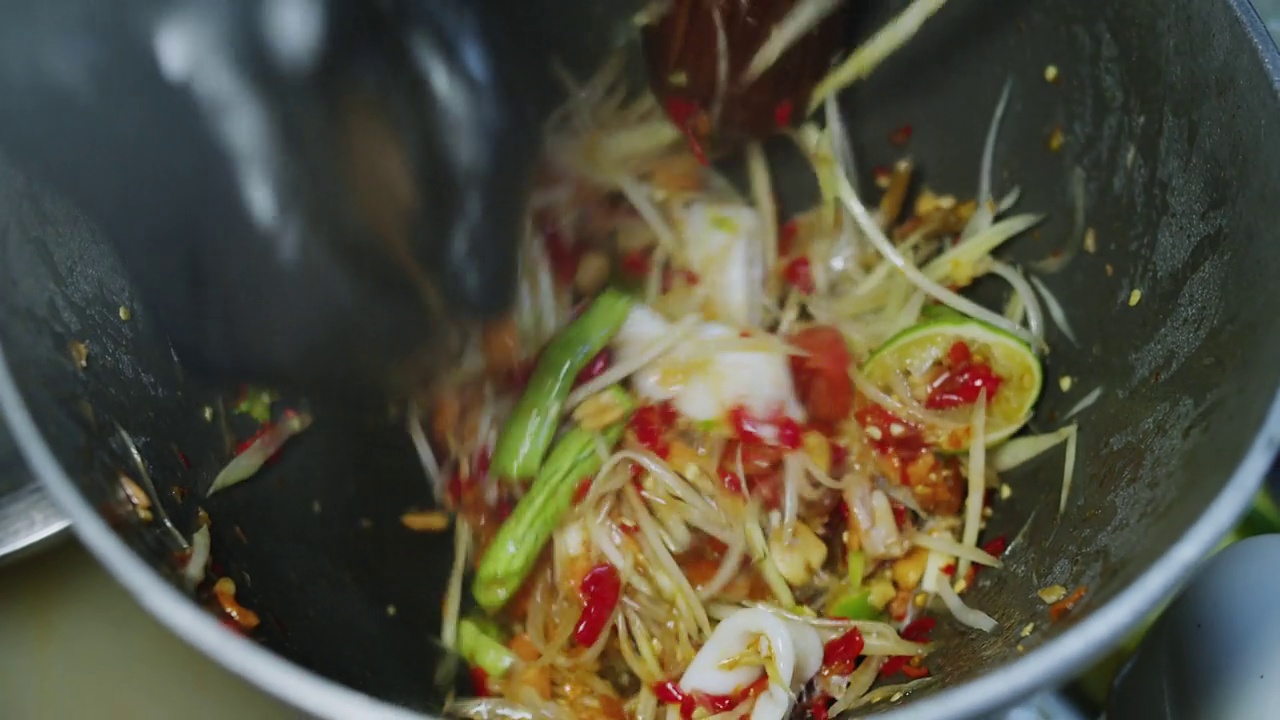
(822,376)
(799,274)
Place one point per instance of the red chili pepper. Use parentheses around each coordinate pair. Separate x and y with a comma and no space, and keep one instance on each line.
(959,354)
(840,655)
(919,629)
(635,263)
(818,708)
(799,274)
(182,458)
(584,487)
(681,111)
(732,482)
(600,590)
(899,514)
(949,569)
(650,424)
(915,672)
(893,665)
(595,367)
(480,468)
(668,692)
(962,386)
(901,135)
(480,682)
(782,114)
(787,237)
(996,546)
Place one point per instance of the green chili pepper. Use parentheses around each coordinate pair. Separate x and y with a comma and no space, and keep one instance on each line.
(856,606)
(528,431)
(482,650)
(515,548)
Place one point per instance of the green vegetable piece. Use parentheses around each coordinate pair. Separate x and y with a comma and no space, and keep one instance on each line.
(528,432)
(482,650)
(857,567)
(515,549)
(856,606)
(256,403)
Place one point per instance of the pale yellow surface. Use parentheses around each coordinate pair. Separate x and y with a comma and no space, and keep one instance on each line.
(74,645)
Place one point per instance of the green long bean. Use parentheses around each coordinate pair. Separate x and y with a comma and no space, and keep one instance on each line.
(529,429)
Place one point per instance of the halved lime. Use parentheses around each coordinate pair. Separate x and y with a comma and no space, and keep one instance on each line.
(912,360)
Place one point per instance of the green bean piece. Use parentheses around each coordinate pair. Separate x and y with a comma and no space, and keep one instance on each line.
(515,549)
(482,650)
(528,431)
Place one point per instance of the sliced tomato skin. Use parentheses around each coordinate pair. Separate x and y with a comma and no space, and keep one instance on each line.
(822,377)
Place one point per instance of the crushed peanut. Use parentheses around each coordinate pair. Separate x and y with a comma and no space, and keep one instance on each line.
(797,551)
(137,497)
(125,313)
(79,353)
(1026,631)
(1056,140)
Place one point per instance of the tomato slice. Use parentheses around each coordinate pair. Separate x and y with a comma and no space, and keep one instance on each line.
(822,377)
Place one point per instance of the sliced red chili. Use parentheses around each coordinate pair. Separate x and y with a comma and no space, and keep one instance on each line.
(584,487)
(818,708)
(480,682)
(901,135)
(996,546)
(595,367)
(635,263)
(918,630)
(840,655)
(962,386)
(782,114)
(799,274)
(668,692)
(600,591)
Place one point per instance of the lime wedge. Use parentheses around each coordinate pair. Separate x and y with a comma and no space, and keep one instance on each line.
(914,357)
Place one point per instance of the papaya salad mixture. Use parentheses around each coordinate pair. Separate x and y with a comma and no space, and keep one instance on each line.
(724,464)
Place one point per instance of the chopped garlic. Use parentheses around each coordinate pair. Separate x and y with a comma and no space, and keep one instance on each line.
(1052,594)
(1005,491)
(1026,631)
(1064,382)
(1051,73)
(798,553)
(1135,297)
(1091,241)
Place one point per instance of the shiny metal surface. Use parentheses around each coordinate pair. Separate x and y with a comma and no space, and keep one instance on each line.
(29,520)
(1170,456)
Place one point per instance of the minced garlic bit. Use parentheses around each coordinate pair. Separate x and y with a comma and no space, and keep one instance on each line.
(208,413)
(1110,270)
(1135,297)
(125,313)
(1026,631)
(391,611)
(1056,139)
(79,353)
(1064,382)
(425,520)
(1005,491)
(1052,594)
(1021,648)
(1091,241)
(1051,73)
